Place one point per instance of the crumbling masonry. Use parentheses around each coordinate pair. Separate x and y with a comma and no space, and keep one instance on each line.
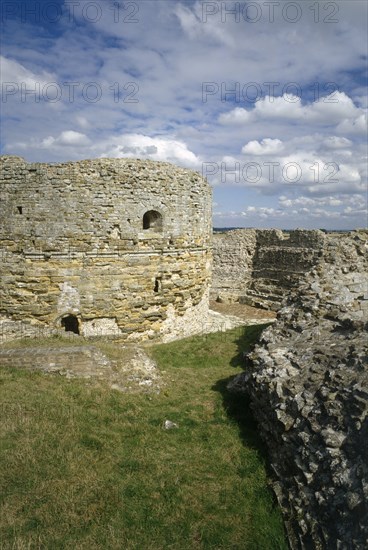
(106,246)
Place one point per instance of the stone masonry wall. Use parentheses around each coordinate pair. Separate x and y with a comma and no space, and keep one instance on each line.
(73,242)
(257,267)
(308,384)
(233,253)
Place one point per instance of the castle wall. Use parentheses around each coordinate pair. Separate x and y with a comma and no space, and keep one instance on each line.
(258,267)
(72,242)
(308,385)
(233,253)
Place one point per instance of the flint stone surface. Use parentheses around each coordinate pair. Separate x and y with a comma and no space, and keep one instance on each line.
(308,385)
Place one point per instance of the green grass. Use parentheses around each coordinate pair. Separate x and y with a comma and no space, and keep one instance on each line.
(85,467)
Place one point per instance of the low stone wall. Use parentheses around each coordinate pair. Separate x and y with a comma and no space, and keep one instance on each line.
(258,267)
(308,384)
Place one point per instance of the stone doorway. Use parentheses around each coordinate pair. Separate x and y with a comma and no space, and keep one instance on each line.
(70,323)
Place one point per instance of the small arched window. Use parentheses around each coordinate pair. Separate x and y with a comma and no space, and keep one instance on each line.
(152,220)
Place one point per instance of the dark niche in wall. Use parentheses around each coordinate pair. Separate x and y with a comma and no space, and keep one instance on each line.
(70,323)
(152,220)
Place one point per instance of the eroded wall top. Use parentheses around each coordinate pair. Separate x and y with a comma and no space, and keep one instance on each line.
(101,204)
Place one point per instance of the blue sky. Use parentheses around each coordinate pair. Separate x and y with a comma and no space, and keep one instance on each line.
(268,99)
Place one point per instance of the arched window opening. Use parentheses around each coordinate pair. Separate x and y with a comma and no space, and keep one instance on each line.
(70,323)
(152,220)
(157,287)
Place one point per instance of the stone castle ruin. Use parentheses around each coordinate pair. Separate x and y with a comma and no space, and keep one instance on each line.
(308,385)
(259,267)
(124,247)
(101,247)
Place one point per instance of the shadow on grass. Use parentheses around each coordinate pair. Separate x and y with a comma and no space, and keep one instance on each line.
(237,405)
(238,410)
(247,338)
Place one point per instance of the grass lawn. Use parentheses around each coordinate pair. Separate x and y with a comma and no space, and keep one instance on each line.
(86,467)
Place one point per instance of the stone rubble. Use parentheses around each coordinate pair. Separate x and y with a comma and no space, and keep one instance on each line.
(169,425)
(308,385)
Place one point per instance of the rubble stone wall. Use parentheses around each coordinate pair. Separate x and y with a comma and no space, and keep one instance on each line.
(257,266)
(308,385)
(122,245)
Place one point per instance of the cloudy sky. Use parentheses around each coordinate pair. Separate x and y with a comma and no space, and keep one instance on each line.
(268,99)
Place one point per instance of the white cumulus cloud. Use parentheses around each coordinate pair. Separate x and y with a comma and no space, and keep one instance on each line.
(154,148)
(66,138)
(267,146)
(336,109)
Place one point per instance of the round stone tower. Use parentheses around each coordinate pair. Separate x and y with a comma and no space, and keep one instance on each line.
(103,247)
